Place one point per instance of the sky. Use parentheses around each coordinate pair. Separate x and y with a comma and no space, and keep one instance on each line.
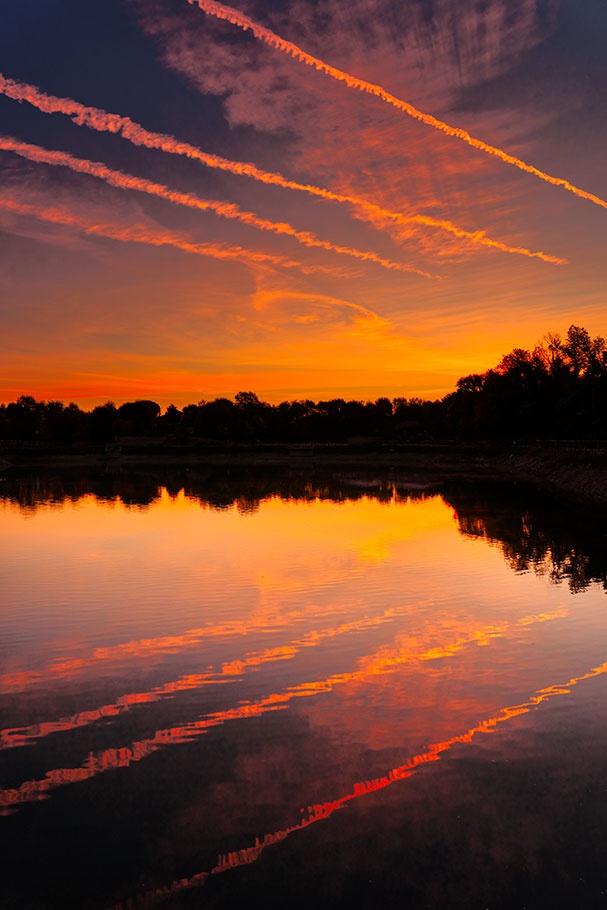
(364,251)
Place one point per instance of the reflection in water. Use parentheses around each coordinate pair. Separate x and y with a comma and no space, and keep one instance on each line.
(357,618)
(318,813)
(20,736)
(142,649)
(181,521)
(549,536)
(535,531)
(122,758)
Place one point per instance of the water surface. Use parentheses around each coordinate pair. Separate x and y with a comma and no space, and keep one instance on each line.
(343,691)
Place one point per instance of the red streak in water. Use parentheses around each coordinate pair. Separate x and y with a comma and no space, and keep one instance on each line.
(97,763)
(320,812)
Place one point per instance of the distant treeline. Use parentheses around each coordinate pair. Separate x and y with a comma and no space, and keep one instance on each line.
(556,391)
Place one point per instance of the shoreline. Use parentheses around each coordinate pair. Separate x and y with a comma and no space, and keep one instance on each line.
(578,471)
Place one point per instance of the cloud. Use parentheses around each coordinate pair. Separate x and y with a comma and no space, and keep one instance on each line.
(353,143)
(237,18)
(431,51)
(143,233)
(98,119)
(224,209)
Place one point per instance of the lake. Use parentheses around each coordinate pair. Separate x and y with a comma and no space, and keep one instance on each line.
(230,688)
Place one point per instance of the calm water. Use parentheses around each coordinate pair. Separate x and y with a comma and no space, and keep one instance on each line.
(221,691)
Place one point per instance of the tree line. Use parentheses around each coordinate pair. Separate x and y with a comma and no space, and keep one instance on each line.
(558,390)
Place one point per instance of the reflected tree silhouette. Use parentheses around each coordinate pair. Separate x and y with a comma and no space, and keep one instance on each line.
(537,533)
(534,530)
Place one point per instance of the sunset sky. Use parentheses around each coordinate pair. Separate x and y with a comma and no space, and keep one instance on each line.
(120,288)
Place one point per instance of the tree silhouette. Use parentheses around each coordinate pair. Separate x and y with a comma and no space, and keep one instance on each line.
(556,391)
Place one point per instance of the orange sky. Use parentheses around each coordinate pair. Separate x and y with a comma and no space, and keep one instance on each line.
(115,284)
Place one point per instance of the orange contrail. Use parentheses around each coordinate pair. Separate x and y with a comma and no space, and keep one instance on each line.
(225,209)
(100,120)
(141,234)
(212,8)
(319,812)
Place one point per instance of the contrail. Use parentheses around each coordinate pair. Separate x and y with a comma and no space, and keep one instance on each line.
(142,234)
(225,209)
(212,8)
(102,121)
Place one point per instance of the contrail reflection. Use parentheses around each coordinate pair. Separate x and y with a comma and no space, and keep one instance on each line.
(230,672)
(141,649)
(320,812)
(108,759)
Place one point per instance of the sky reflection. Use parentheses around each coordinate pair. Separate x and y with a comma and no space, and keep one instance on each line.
(250,656)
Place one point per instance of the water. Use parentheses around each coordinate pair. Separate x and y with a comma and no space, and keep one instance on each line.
(342,691)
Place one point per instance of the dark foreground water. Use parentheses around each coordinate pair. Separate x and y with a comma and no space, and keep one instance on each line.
(340,692)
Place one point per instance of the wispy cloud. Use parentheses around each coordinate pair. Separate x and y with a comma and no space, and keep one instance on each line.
(224,209)
(103,121)
(138,233)
(212,8)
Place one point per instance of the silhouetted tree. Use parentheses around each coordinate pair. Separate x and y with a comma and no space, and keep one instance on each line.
(136,418)
(102,422)
(557,390)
